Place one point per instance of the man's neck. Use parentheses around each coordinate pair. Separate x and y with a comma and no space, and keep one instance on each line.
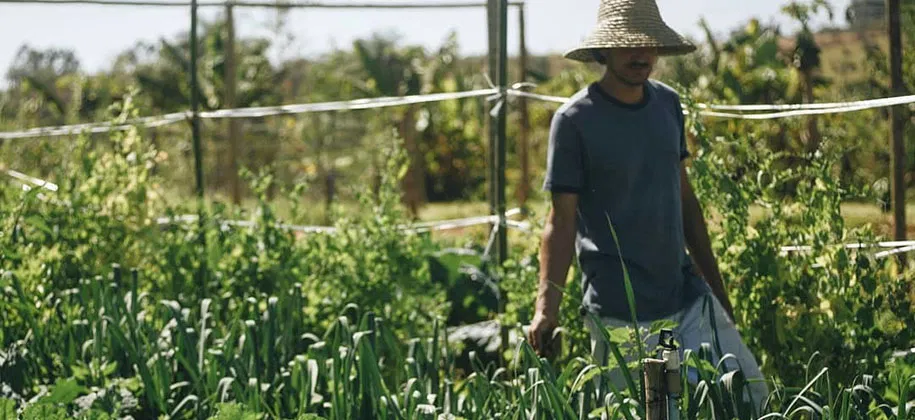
(622,92)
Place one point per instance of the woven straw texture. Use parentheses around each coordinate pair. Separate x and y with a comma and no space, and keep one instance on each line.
(630,24)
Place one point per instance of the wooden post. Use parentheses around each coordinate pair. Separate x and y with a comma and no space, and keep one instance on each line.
(497,13)
(491,20)
(195,118)
(231,82)
(655,389)
(329,170)
(414,180)
(198,155)
(501,132)
(897,124)
(524,124)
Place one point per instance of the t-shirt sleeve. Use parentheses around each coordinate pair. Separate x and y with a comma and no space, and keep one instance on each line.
(681,122)
(564,168)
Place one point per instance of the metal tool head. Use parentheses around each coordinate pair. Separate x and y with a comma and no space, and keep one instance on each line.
(666,340)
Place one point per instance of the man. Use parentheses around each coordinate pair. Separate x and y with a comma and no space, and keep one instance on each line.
(615,156)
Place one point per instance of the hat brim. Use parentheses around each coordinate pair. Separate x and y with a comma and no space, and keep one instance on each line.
(666,40)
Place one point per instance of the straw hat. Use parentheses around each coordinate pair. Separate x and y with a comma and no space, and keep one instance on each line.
(630,24)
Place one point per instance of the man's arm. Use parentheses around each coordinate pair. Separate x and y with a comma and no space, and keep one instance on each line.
(556,251)
(699,244)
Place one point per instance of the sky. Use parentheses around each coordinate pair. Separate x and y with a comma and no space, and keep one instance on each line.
(98,33)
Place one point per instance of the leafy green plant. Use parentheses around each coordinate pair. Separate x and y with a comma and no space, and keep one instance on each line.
(843,304)
(105,314)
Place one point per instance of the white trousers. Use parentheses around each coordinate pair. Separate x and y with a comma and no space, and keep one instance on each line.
(693,328)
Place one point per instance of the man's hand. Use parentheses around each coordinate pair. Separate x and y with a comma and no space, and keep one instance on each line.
(540,335)
(556,250)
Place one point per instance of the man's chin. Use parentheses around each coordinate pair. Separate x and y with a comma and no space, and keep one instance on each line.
(632,78)
(636,78)
(635,82)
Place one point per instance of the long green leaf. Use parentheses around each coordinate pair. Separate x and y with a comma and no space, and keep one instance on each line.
(620,360)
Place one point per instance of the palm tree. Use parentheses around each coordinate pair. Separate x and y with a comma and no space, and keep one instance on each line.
(806,59)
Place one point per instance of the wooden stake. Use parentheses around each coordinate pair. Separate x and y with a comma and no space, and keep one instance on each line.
(231,83)
(501,131)
(896,122)
(524,124)
(198,155)
(492,26)
(655,389)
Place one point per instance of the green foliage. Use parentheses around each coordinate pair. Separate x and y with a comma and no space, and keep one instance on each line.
(263,322)
(452,132)
(232,411)
(240,342)
(44,412)
(7,409)
(842,304)
(258,290)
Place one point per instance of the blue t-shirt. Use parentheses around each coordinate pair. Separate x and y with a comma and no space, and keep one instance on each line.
(623,161)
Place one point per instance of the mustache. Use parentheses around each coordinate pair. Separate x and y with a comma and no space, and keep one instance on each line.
(638,64)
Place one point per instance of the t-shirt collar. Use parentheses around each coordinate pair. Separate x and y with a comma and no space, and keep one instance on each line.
(595,88)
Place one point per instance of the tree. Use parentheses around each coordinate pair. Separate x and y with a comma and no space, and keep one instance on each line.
(746,68)
(331,141)
(879,78)
(806,58)
(47,65)
(161,71)
(877,57)
(452,131)
(38,71)
(393,71)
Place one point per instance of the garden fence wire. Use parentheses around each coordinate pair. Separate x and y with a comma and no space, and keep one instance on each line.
(709,110)
(495,95)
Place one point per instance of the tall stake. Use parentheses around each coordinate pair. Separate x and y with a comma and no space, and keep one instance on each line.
(896,121)
(231,83)
(524,124)
(501,137)
(495,16)
(655,390)
(492,71)
(499,28)
(195,118)
(198,150)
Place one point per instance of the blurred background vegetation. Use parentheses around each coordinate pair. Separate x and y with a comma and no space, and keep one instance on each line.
(814,181)
(446,142)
